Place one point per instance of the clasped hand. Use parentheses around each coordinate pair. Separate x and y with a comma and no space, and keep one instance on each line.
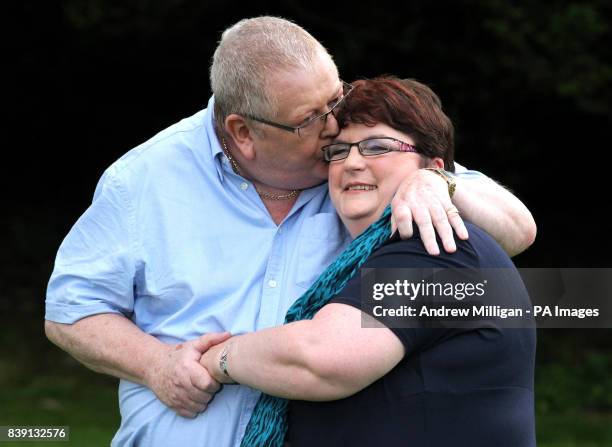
(179,380)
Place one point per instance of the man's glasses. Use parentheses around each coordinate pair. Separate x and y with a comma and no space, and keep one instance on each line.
(307,124)
(367,148)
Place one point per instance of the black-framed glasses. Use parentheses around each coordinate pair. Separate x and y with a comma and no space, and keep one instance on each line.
(368,148)
(322,118)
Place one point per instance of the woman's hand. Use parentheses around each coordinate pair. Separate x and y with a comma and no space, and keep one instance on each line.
(211,360)
(327,358)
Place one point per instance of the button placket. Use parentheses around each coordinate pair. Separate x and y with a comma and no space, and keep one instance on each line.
(270,299)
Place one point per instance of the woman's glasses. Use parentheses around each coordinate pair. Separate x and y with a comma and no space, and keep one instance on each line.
(368,148)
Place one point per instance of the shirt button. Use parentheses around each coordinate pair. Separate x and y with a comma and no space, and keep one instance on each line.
(244,186)
(272,283)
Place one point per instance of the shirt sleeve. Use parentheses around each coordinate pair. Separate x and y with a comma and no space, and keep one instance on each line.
(95,265)
(405,254)
(465,173)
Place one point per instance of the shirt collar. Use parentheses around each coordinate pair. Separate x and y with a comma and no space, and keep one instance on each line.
(220,160)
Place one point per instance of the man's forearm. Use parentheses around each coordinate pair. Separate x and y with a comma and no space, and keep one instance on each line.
(497,211)
(109,344)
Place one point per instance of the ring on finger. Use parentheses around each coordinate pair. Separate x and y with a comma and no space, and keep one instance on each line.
(452,210)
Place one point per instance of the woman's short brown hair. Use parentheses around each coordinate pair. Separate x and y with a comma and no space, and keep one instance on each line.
(407,106)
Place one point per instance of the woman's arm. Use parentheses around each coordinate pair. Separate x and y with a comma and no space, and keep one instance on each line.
(326,358)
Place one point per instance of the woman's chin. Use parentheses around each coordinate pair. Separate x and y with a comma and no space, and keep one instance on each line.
(355,214)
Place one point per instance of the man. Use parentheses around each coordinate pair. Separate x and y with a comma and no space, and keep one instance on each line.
(219,223)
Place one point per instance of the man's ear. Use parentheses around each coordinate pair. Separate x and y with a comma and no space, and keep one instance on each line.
(237,128)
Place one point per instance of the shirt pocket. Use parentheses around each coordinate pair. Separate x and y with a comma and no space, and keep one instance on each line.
(322,239)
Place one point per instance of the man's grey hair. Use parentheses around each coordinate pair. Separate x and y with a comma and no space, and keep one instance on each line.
(248,53)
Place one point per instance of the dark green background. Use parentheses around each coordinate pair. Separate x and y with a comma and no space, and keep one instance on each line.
(528,85)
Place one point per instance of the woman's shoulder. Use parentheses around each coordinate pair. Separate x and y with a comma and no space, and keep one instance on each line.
(479,250)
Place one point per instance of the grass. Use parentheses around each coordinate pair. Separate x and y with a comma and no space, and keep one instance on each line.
(87,402)
(40,385)
(574,429)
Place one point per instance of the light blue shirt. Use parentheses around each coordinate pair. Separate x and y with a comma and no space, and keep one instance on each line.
(183,246)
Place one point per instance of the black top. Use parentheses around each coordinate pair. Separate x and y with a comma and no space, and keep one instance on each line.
(454,387)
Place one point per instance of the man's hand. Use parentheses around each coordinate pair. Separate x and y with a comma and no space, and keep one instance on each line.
(423,197)
(179,381)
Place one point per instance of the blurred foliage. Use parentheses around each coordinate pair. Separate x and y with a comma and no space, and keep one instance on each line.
(555,49)
(574,371)
(528,85)
(548,48)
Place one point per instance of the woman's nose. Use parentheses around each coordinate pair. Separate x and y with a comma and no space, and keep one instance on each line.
(354,160)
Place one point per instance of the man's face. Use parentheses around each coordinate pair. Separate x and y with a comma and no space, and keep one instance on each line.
(295,161)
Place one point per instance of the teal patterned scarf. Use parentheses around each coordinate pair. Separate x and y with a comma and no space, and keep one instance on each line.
(268,424)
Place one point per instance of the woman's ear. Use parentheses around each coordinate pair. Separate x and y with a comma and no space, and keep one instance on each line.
(241,135)
(437,162)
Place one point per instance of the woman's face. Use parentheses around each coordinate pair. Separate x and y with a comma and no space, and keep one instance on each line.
(361,187)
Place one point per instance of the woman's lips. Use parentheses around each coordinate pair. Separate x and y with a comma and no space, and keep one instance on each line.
(360,187)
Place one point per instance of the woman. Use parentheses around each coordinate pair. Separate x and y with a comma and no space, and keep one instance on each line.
(351,385)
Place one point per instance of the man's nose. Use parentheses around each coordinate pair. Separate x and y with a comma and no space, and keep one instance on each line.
(331,128)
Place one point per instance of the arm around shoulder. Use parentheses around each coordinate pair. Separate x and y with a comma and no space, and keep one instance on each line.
(497,211)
